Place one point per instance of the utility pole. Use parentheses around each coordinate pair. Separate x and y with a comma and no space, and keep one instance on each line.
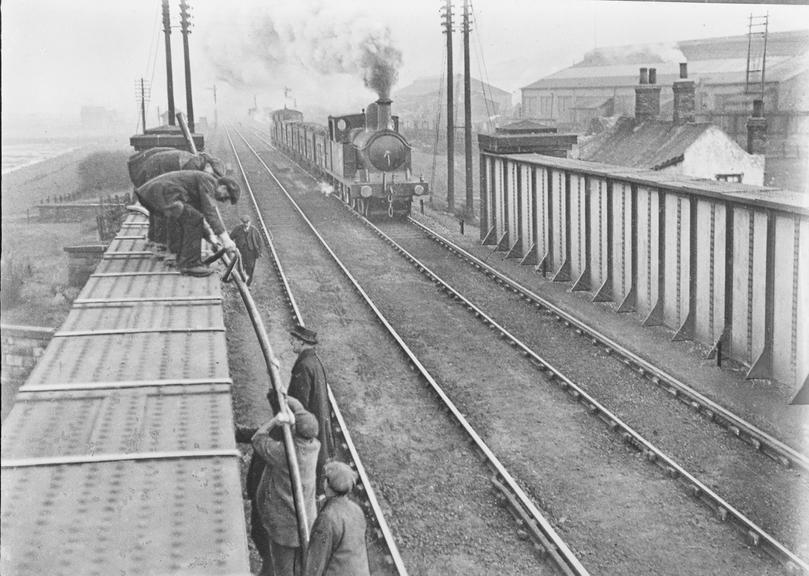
(450,112)
(185,25)
(215,110)
(467,117)
(143,105)
(143,93)
(169,78)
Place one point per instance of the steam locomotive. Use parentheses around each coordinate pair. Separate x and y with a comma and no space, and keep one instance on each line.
(362,156)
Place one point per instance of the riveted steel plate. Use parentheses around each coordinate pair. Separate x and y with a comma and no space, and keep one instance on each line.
(164,419)
(132,265)
(128,242)
(145,316)
(145,517)
(144,356)
(124,287)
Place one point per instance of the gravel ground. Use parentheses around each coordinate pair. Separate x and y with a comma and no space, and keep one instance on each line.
(434,491)
(761,402)
(620,514)
(774,497)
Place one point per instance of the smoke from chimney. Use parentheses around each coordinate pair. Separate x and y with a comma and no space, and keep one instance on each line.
(313,38)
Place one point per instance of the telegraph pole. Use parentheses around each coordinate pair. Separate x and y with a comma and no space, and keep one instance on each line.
(185,23)
(450,112)
(169,78)
(467,117)
(215,111)
(143,105)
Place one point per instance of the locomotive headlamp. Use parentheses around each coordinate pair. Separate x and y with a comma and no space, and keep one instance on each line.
(366,191)
(418,190)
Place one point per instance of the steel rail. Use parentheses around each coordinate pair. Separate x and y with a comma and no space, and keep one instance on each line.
(279,269)
(754,534)
(752,435)
(365,481)
(272,364)
(758,439)
(564,558)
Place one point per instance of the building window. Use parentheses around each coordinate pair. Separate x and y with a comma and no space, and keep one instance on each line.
(563,104)
(546,106)
(531,106)
(729,177)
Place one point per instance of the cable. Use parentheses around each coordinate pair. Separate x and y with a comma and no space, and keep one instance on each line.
(438,118)
(484,72)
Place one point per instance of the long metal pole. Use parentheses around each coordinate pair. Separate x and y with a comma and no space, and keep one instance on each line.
(215,109)
(169,75)
(272,364)
(450,112)
(143,105)
(467,117)
(189,99)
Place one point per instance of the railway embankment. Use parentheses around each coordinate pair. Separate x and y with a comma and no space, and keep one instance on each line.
(36,281)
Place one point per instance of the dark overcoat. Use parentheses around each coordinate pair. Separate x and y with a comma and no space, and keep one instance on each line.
(308,384)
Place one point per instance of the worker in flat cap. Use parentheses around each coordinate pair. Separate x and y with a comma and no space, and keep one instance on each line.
(275,496)
(337,541)
(186,196)
(309,385)
(248,241)
(153,162)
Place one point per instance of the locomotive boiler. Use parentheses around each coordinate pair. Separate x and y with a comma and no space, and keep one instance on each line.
(363,156)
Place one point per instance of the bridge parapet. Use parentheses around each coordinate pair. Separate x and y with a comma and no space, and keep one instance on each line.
(723,264)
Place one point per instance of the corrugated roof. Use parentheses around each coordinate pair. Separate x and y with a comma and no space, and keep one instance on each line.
(729,71)
(650,145)
(712,60)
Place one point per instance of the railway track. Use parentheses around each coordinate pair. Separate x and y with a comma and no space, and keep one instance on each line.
(754,534)
(532,522)
(736,425)
(392,559)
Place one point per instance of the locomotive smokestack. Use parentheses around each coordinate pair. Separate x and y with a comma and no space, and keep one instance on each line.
(383,107)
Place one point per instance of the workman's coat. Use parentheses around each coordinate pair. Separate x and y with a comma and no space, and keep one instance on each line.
(153,162)
(193,188)
(249,243)
(337,541)
(275,497)
(308,384)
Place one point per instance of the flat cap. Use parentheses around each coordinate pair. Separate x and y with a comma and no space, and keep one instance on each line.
(234,191)
(303,333)
(306,425)
(340,476)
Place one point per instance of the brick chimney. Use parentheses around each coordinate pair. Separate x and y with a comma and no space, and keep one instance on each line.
(647,96)
(684,100)
(757,129)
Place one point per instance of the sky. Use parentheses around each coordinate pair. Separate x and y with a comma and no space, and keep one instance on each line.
(58,56)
